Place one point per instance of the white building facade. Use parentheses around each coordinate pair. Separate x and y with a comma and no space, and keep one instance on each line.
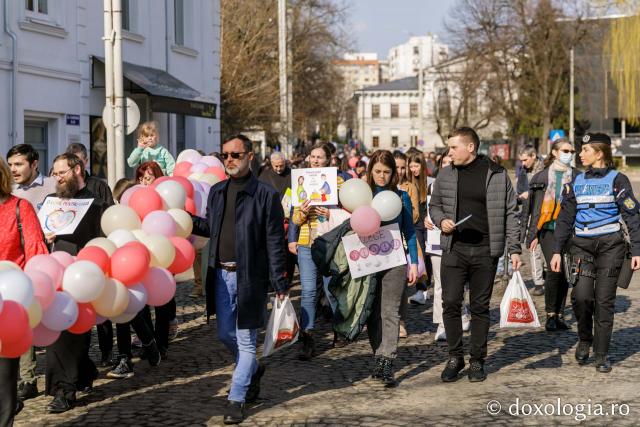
(418,52)
(171,54)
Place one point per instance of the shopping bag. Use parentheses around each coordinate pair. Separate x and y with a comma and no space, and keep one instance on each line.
(283,327)
(517,309)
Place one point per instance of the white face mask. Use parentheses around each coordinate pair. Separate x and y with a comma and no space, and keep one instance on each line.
(566,158)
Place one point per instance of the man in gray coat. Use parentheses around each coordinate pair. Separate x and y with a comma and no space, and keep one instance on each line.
(474,205)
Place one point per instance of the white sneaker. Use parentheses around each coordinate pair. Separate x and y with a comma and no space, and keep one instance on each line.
(440,333)
(426,295)
(418,298)
(466,322)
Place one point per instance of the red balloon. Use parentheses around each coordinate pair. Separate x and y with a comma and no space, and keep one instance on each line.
(14,322)
(129,264)
(145,200)
(219,172)
(12,350)
(96,255)
(182,169)
(190,206)
(186,184)
(185,255)
(86,319)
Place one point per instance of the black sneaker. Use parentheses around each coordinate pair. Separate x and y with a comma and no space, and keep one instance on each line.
(254,387)
(386,376)
(308,350)
(376,372)
(106,359)
(234,413)
(561,324)
(453,368)
(152,354)
(551,324)
(602,363)
(59,404)
(124,369)
(27,391)
(19,408)
(476,371)
(582,352)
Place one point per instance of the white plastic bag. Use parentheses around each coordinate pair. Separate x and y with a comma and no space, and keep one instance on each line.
(283,327)
(517,309)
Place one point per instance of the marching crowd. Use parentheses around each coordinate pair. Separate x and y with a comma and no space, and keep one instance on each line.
(582,227)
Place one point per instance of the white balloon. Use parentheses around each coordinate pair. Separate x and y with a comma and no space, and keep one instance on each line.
(388,205)
(355,193)
(83,280)
(16,286)
(210,178)
(9,265)
(173,194)
(123,318)
(189,155)
(137,298)
(184,223)
(1,303)
(140,234)
(103,243)
(61,314)
(121,237)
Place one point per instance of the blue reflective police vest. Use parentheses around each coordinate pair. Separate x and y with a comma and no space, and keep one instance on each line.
(597,211)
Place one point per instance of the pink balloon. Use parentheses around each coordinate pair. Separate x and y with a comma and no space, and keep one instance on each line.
(199,167)
(43,289)
(200,202)
(212,161)
(182,169)
(219,172)
(43,336)
(126,196)
(48,265)
(365,221)
(64,258)
(160,285)
(159,222)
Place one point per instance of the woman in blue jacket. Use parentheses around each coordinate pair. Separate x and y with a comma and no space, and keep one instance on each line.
(384,321)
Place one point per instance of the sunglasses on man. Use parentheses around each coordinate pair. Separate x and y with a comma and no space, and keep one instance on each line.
(233,155)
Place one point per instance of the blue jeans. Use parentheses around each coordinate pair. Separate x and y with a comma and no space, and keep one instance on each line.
(241,342)
(308,276)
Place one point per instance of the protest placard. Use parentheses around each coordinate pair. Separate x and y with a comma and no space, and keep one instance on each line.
(318,185)
(62,216)
(380,251)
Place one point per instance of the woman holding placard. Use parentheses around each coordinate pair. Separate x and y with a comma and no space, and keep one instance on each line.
(384,321)
(307,218)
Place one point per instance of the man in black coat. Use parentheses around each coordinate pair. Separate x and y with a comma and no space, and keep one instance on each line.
(245,224)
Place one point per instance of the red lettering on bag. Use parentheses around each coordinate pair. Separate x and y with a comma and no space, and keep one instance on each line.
(286,336)
(519,311)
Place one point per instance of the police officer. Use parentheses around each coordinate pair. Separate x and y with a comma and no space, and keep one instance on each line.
(593,206)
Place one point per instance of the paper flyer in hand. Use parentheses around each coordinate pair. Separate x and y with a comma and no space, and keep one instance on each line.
(319,185)
(62,216)
(433,237)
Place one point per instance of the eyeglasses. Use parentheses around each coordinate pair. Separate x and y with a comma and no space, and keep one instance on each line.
(233,155)
(566,150)
(60,174)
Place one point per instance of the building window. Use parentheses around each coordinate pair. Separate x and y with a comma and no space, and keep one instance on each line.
(180,133)
(36,135)
(413,110)
(395,109)
(37,6)
(178,18)
(414,140)
(416,50)
(126,15)
(375,111)
(394,141)
(375,141)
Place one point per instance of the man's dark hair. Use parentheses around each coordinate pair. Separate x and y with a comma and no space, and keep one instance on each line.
(77,148)
(248,144)
(24,150)
(72,161)
(469,134)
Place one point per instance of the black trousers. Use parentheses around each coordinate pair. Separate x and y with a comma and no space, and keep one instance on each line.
(164,314)
(473,265)
(594,294)
(105,336)
(556,286)
(123,333)
(69,367)
(9,372)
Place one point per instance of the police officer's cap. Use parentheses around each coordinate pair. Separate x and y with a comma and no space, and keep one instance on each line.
(591,138)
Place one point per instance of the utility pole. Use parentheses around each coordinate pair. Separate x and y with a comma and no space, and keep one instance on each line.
(284,84)
(108,90)
(572,128)
(118,88)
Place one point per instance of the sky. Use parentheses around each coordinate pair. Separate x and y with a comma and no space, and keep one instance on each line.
(378,25)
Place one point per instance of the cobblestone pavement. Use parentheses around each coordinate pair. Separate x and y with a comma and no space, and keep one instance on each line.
(531,367)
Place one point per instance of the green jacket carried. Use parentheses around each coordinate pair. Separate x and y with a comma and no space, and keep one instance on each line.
(354,296)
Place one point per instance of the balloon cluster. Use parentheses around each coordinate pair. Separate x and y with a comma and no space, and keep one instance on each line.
(203,172)
(367,211)
(148,241)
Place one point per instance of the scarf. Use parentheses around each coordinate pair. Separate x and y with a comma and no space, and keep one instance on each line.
(551,203)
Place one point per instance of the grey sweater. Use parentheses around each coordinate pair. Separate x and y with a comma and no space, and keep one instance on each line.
(501,208)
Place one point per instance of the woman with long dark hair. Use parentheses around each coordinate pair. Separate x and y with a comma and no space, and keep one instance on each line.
(384,321)
(418,176)
(545,191)
(593,206)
